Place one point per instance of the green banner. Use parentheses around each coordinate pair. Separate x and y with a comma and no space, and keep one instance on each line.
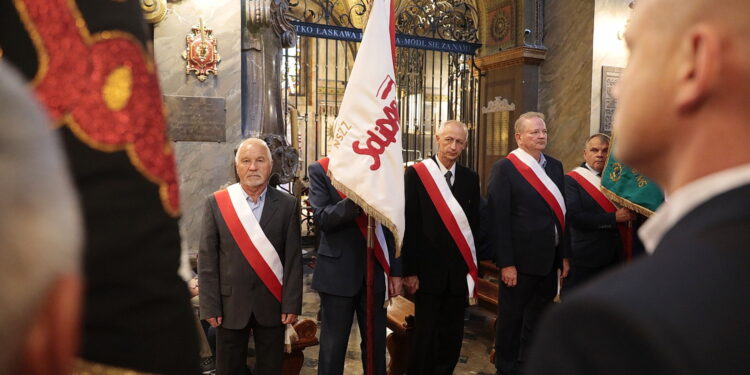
(626,187)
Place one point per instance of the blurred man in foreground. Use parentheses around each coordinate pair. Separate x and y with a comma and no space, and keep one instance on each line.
(40,240)
(682,310)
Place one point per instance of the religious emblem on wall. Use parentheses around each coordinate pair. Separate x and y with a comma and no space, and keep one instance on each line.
(501,27)
(610,77)
(202,54)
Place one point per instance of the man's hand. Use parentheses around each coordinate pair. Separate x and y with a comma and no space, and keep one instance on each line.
(288,318)
(394,286)
(411,284)
(623,215)
(214,322)
(509,276)
(565,268)
(193,286)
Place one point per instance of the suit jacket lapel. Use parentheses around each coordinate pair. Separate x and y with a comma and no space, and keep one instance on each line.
(547,167)
(269,207)
(457,186)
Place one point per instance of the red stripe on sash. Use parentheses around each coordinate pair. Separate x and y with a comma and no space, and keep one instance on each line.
(537,184)
(447,217)
(608,207)
(362,224)
(251,253)
(594,192)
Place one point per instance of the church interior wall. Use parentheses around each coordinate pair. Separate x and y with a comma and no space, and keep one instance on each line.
(202,166)
(565,77)
(610,21)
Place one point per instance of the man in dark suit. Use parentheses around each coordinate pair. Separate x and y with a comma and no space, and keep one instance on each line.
(595,241)
(527,209)
(339,275)
(682,310)
(434,265)
(243,289)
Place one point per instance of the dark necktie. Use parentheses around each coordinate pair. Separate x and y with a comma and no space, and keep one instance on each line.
(448,178)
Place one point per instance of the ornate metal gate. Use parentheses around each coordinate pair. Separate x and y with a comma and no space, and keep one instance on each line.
(436,77)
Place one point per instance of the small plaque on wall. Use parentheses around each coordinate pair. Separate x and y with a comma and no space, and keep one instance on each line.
(610,77)
(196,118)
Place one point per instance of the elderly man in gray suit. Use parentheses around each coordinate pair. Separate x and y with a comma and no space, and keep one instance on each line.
(249,265)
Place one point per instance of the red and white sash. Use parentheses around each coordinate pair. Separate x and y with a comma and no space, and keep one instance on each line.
(249,236)
(381,247)
(591,183)
(452,216)
(535,175)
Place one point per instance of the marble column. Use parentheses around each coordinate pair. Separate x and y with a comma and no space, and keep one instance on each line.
(581,36)
(565,80)
(203,166)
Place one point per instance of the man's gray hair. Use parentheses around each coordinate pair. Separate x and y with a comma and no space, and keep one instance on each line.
(602,137)
(517,127)
(452,122)
(40,223)
(252,141)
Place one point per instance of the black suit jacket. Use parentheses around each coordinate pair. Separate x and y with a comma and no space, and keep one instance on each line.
(228,285)
(429,251)
(341,262)
(594,238)
(522,222)
(684,310)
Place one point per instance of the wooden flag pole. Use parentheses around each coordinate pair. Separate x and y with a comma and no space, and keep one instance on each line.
(370,297)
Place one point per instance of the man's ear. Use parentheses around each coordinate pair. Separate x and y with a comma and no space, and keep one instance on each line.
(51,341)
(698,67)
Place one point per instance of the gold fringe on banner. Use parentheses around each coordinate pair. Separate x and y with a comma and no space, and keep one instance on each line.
(369,210)
(626,203)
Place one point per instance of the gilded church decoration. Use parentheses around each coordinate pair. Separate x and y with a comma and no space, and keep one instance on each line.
(502,25)
(154,11)
(202,54)
(456,20)
(616,173)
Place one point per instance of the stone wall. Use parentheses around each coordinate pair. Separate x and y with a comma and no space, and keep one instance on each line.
(565,78)
(610,20)
(203,166)
(581,36)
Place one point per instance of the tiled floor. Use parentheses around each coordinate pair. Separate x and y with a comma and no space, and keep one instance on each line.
(474,357)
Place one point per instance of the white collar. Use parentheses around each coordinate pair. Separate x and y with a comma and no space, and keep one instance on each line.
(541,161)
(443,169)
(687,198)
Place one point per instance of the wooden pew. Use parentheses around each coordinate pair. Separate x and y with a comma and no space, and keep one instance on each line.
(400,320)
(292,363)
(487,293)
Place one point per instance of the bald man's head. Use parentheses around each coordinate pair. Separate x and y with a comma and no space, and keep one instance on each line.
(689,65)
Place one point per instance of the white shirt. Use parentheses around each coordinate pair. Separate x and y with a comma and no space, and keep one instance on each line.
(443,169)
(686,199)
